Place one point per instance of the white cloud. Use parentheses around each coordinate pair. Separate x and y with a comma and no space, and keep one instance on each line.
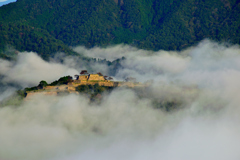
(30,69)
(204,79)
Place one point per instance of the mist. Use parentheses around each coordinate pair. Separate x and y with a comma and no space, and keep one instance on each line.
(202,79)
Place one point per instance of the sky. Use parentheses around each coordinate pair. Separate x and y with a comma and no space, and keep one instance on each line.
(3,2)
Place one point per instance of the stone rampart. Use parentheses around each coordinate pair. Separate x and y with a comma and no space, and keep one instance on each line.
(95,77)
(71,86)
(83,77)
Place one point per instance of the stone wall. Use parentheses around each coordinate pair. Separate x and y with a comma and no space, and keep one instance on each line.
(51,93)
(83,77)
(95,77)
(49,87)
(71,87)
(30,94)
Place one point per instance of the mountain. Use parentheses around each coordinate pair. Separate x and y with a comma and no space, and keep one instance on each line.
(48,26)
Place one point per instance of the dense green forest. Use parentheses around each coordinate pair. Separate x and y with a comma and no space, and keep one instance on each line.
(47,26)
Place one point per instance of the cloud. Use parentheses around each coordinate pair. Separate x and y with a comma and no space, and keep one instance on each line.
(48,126)
(204,59)
(30,69)
(110,53)
(202,81)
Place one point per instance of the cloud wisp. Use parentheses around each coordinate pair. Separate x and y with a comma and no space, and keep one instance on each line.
(29,69)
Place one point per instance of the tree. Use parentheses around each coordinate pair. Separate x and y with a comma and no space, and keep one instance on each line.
(62,80)
(42,84)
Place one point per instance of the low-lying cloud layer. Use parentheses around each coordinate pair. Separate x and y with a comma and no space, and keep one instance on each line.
(203,79)
(29,69)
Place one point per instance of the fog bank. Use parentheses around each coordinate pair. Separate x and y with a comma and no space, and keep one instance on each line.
(202,80)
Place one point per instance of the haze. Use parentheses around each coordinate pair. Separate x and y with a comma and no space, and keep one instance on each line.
(203,78)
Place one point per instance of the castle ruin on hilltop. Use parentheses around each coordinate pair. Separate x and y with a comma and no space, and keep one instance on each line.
(85,79)
(90,79)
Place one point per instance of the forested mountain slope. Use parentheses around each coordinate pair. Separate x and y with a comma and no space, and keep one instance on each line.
(47,26)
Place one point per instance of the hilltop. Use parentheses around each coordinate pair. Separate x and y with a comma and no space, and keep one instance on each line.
(85,83)
(47,27)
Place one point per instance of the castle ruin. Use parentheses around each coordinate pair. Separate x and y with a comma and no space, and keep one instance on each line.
(85,79)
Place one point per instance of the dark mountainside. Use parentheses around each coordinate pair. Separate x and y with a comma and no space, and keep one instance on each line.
(48,26)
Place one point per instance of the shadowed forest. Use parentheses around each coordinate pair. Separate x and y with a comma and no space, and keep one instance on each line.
(47,27)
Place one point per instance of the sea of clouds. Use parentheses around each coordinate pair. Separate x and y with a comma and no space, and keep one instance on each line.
(204,78)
